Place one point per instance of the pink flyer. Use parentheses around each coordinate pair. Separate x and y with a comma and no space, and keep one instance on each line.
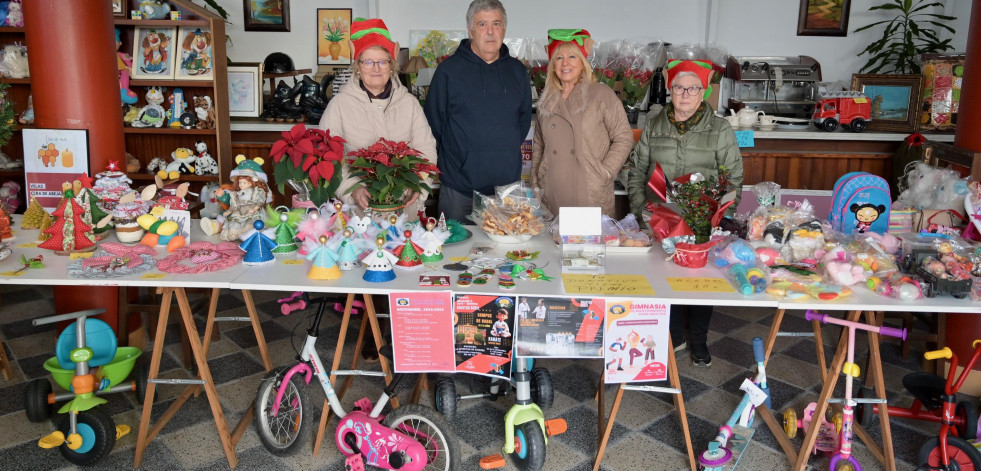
(422,331)
(636,340)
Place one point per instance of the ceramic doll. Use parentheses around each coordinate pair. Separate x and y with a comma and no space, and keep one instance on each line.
(379,263)
(245,204)
(324,262)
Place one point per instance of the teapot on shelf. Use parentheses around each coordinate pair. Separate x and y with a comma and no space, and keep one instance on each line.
(747,116)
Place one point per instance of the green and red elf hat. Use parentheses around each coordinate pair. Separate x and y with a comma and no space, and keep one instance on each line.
(703,69)
(578,37)
(366,33)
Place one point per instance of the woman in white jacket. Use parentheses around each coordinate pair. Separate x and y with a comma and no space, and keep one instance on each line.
(374,104)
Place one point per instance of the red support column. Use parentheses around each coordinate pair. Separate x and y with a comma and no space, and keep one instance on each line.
(963,329)
(71,51)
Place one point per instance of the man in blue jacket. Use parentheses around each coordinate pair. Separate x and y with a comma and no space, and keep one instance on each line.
(479,108)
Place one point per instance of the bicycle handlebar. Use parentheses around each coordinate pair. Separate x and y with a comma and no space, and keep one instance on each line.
(812,315)
(69,316)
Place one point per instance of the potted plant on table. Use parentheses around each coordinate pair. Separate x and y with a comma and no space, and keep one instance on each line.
(913,31)
(311,157)
(388,169)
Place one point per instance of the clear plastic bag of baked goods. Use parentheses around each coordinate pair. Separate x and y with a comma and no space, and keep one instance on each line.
(510,219)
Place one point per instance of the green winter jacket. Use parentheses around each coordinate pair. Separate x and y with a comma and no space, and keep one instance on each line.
(704,148)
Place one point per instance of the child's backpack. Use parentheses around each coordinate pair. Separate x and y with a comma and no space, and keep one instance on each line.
(860,202)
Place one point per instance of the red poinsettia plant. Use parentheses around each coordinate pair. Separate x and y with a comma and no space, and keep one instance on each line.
(387,169)
(311,156)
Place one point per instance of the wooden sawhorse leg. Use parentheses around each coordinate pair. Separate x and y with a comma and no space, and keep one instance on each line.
(605,425)
(8,371)
(771,339)
(370,318)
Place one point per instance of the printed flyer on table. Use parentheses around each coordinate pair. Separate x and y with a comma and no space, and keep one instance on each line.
(559,327)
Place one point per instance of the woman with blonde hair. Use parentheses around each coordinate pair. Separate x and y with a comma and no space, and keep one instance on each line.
(582,137)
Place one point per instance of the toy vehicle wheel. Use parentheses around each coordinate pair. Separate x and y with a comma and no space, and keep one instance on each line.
(969,412)
(958,451)
(97,432)
(432,431)
(864,412)
(838,463)
(830,124)
(838,420)
(281,434)
(36,400)
(529,447)
(541,388)
(790,423)
(445,399)
(141,376)
(858,125)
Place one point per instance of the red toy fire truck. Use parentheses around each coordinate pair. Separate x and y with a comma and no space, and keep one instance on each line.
(850,109)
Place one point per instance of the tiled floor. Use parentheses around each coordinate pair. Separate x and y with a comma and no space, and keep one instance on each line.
(646,435)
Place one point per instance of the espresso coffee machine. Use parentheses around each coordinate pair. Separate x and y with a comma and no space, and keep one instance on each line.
(781,86)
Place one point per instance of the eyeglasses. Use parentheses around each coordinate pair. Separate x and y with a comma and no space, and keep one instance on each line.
(690,91)
(382,64)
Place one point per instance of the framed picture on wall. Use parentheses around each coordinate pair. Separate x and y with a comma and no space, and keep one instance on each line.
(153,53)
(823,17)
(245,89)
(117,8)
(196,54)
(266,15)
(333,36)
(895,100)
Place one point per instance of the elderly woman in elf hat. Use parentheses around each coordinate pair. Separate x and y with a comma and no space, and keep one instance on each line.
(685,137)
(582,137)
(375,104)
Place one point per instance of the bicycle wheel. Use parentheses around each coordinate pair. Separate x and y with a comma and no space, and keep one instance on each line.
(98,435)
(541,388)
(445,399)
(281,434)
(529,447)
(969,412)
(432,431)
(959,451)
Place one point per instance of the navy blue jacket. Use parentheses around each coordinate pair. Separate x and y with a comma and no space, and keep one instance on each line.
(479,113)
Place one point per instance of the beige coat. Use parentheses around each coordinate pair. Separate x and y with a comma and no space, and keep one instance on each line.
(581,143)
(361,121)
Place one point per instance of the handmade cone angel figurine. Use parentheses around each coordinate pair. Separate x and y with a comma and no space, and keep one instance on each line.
(379,264)
(408,253)
(324,262)
(431,240)
(284,222)
(348,252)
(258,247)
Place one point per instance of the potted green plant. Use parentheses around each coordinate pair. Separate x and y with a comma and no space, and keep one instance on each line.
(387,169)
(311,156)
(913,31)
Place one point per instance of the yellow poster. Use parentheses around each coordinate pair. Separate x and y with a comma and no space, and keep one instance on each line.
(700,284)
(613,285)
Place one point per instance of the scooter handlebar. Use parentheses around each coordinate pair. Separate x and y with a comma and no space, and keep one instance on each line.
(812,315)
(937,354)
(893,332)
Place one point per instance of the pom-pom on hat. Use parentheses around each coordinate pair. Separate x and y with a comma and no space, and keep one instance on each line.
(578,37)
(703,69)
(249,168)
(366,33)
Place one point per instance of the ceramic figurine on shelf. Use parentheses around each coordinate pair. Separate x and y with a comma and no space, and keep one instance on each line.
(379,264)
(152,115)
(258,247)
(177,108)
(27,117)
(246,202)
(206,165)
(204,112)
(324,262)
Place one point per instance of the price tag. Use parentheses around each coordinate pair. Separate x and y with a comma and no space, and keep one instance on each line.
(293,262)
(29,245)
(13,273)
(745,138)
(756,395)
(699,284)
(76,256)
(154,276)
(459,259)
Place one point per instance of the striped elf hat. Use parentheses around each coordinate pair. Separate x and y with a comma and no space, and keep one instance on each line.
(367,33)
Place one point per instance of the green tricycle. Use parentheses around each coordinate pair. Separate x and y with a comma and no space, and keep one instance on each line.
(87,364)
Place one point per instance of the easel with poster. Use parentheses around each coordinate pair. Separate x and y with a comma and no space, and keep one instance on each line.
(636,345)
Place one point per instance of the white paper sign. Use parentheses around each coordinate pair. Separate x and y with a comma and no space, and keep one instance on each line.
(575,221)
(756,395)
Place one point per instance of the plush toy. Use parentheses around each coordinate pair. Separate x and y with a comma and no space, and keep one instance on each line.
(156,164)
(130,113)
(920,187)
(206,164)
(124,62)
(3,12)
(15,14)
(204,111)
(132,164)
(950,192)
(154,9)
(152,115)
(845,273)
(9,200)
(768,255)
(183,161)
(13,63)
(211,208)
(177,107)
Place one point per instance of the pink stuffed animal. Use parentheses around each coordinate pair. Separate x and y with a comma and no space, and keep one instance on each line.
(845,273)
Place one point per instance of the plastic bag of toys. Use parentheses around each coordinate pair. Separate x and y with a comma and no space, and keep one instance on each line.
(737,259)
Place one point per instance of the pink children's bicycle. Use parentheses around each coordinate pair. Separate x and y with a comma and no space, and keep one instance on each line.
(412,437)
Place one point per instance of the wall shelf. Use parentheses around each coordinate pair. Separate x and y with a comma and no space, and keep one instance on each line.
(166,130)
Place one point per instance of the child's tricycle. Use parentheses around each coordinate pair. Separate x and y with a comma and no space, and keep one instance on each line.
(87,364)
(827,439)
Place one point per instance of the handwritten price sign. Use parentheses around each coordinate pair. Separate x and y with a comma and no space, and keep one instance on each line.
(614,285)
(701,285)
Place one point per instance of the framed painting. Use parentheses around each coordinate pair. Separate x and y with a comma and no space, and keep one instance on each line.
(196,48)
(895,100)
(117,8)
(333,33)
(245,89)
(823,17)
(266,15)
(153,53)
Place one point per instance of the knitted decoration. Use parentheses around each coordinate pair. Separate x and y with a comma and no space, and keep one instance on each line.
(114,260)
(69,233)
(33,215)
(201,256)
(379,263)
(258,247)
(408,253)
(324,263)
